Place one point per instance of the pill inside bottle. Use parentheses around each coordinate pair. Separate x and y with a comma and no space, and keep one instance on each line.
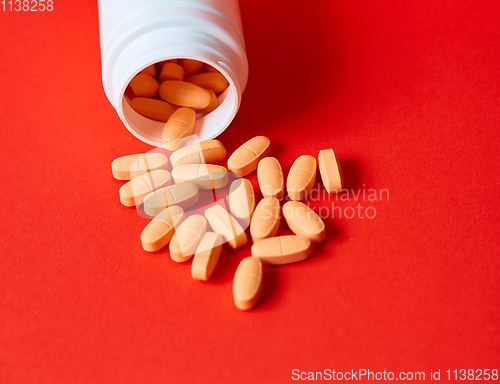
(161,88)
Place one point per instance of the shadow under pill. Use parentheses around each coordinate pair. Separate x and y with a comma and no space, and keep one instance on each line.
(270,282)
(277,150)
(226,266)
(351,172)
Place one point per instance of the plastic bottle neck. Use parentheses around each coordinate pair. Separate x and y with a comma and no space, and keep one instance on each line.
(168,36)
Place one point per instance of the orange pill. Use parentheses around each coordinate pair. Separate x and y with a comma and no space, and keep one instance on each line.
(282,250)
(160,230)
(303,221)
(128,94)
(270,178)
(204,152)
(242,200)
(179,125)
(265,220)
(133,192)
(171,71)
(184,94)
(144,85)
(246,158)
(187,237)
(204,176)
(160,64)
(191,67)
(247,283)
(153,109)
(150,70)
(301,177)
(130,166)
(330,171)
(209,68)
(223,223)
(211,80)
(206,256)
(214,103)
(184,195)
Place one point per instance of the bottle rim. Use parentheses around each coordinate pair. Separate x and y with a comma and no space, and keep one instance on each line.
(203,43)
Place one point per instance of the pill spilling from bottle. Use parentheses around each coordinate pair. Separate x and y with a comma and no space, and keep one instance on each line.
(175,92)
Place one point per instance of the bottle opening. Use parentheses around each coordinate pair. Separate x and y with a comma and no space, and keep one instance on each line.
(157,91)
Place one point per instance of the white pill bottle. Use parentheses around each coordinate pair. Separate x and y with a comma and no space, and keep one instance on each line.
(137,33)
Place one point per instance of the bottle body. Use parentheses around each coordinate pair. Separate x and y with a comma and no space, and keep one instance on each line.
(137,33)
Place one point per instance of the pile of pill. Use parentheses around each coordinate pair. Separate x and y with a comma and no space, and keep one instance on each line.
(176,91)
(150,184)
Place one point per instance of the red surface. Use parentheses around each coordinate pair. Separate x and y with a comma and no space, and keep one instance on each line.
(406,92)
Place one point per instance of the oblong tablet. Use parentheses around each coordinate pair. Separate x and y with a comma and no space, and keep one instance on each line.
(223,223)
(206,256)
(179,125)
(270,178)
(171,71)
(144,85)
(301,177)
(242,200)
(160,230)
(282,250)
(191,66)
(184,195)
(150,70)
(130,166)
(303,221)
(214,81)
(184,94)
(205,176)
(160,64)
(247,283)
(204,152)
(187,237)
(153,109)
(266,219)
(214,103)
(330,171)
(133,192)
(246,158)
(209,68)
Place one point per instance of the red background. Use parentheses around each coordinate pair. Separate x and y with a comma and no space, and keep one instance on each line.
(406,92)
